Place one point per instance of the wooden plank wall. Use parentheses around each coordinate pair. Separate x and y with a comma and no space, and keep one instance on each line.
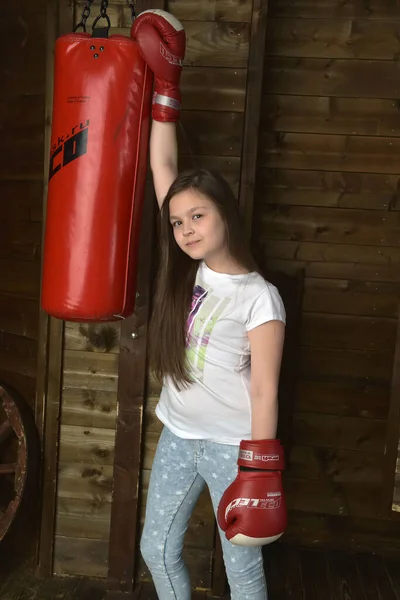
(23,51)
(213,86)
(86,450)
(327,200)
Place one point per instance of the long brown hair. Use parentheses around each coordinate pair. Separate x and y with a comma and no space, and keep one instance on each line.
(177,273)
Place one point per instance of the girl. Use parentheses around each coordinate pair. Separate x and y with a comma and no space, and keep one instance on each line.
(213,315)
(212,312)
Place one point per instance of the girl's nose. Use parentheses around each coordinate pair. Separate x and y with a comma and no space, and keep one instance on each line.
(187,229)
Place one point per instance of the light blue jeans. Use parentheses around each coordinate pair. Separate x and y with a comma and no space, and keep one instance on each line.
(181,469)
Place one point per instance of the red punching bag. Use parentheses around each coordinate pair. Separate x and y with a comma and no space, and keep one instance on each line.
(98,160)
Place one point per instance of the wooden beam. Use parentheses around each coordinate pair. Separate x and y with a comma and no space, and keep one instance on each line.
(252,112)
(392,434)
(51,28)
(128,437)
(51,331)
(50,445)
(131,396)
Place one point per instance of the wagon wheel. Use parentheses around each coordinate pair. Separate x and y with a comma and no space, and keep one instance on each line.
(18,455)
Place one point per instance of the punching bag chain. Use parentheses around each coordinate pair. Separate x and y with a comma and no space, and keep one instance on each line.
(103,9)
(102,32)
(103,14)
(85,15)
(131,5)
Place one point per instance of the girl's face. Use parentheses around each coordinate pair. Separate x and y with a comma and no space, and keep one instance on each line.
(197,225)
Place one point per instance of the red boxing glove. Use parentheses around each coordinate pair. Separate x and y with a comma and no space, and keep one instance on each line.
(162,43)
(252,511)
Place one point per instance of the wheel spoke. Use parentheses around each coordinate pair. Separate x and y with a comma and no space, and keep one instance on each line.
(8,469)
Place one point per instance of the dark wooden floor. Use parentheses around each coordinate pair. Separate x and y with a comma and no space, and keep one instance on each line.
(293,574)
(308,574)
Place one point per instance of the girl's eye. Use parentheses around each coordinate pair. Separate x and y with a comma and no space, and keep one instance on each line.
(197,216)
(176,223)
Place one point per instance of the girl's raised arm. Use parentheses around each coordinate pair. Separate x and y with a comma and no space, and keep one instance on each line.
(162,42)
(163,157)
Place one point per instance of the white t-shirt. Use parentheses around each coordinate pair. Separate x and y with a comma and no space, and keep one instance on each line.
(217,405)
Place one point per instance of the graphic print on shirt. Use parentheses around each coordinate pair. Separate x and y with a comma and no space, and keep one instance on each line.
(205,310)
(199,294)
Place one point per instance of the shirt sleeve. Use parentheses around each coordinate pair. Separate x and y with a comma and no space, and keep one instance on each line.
(267,306)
